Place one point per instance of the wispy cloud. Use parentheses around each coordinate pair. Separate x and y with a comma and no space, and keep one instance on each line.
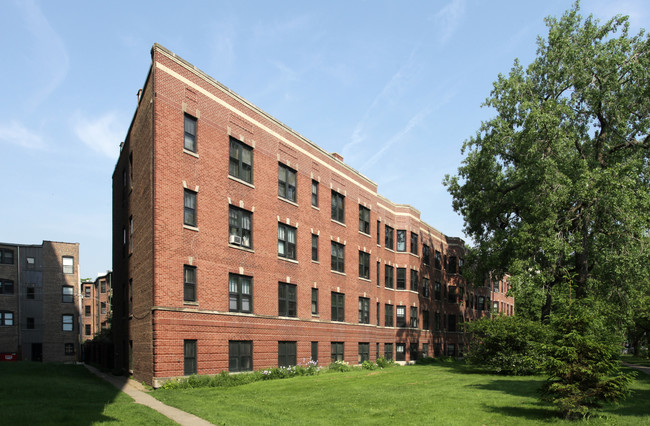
(447,19)
(390,90)
(414,122)
(49,49)
(102,134)
(17,134)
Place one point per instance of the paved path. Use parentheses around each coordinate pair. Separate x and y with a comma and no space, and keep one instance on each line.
(136,391)
(645,369)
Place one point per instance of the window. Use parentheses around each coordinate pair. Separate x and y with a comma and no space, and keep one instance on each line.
(377,351)
(87,310)
(131,229)
(314,351)
(68,265)
(68,322)
(7,256)
(378,316)
(189,355)
(68,348)
(338,306)
(364,352)
(378,232)
(451,349)
(87,330)
(30,262)
(388,315)
(414,280)
(481,303)
(425,323)
(413,318)
(286,354)
(414,243)
(286,241)
(67,294)
(6,287)
(364,265)
(286,300)
(131,170)
(401,279)
(338,207)
(314,193)
(364,219)
(452,294)
(388,350)
(240,355)
(436,290)
(451,264)
(425,254)
(400,316)
(314,301)
(240,289)
(436,321)
(190,133)
(189,286)
(6,318)
(461,262)
(400,350)
(103,308)
(30,323)
(451,322)
(425,287)
(103,287)
(190,208)
(438,260)
(338,351)
(241,161)
(364,310)
(287,183)
(425,350)
(314,247)
(388,276)
(388,237)
(338,257)
(31,293)
(378,275)
(401,240)
(240,227)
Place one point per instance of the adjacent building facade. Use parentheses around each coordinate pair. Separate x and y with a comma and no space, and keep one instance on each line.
(39,301)
(238,244)
(96,306)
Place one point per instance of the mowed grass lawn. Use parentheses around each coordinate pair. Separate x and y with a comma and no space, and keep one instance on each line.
(41,394)
(440,394)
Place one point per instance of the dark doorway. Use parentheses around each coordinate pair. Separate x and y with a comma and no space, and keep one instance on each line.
(413,352)
(37,352)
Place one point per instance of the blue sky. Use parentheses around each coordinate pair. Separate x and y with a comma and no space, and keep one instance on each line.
(395,87)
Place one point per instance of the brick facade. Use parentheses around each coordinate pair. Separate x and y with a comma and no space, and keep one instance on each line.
(96,302)
(157,235)
(43,301)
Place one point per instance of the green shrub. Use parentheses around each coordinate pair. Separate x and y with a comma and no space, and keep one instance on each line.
(507,345)
(385,363)
(340,366)
(368,365)
(583,371)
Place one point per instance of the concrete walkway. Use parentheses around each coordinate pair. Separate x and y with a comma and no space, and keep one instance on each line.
(136,391)
(645,369)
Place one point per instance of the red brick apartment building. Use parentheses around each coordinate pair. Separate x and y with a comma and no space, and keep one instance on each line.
(239,244)
(96,306)
(39,301)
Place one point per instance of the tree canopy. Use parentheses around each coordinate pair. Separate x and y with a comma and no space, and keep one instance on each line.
(557,184)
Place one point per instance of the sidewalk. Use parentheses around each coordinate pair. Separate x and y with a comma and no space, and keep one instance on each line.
(136,391)
(642,368)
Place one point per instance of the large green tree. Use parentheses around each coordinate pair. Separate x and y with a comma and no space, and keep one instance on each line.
(557,184)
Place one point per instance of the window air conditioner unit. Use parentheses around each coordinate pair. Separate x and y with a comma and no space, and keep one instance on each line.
(235,239)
